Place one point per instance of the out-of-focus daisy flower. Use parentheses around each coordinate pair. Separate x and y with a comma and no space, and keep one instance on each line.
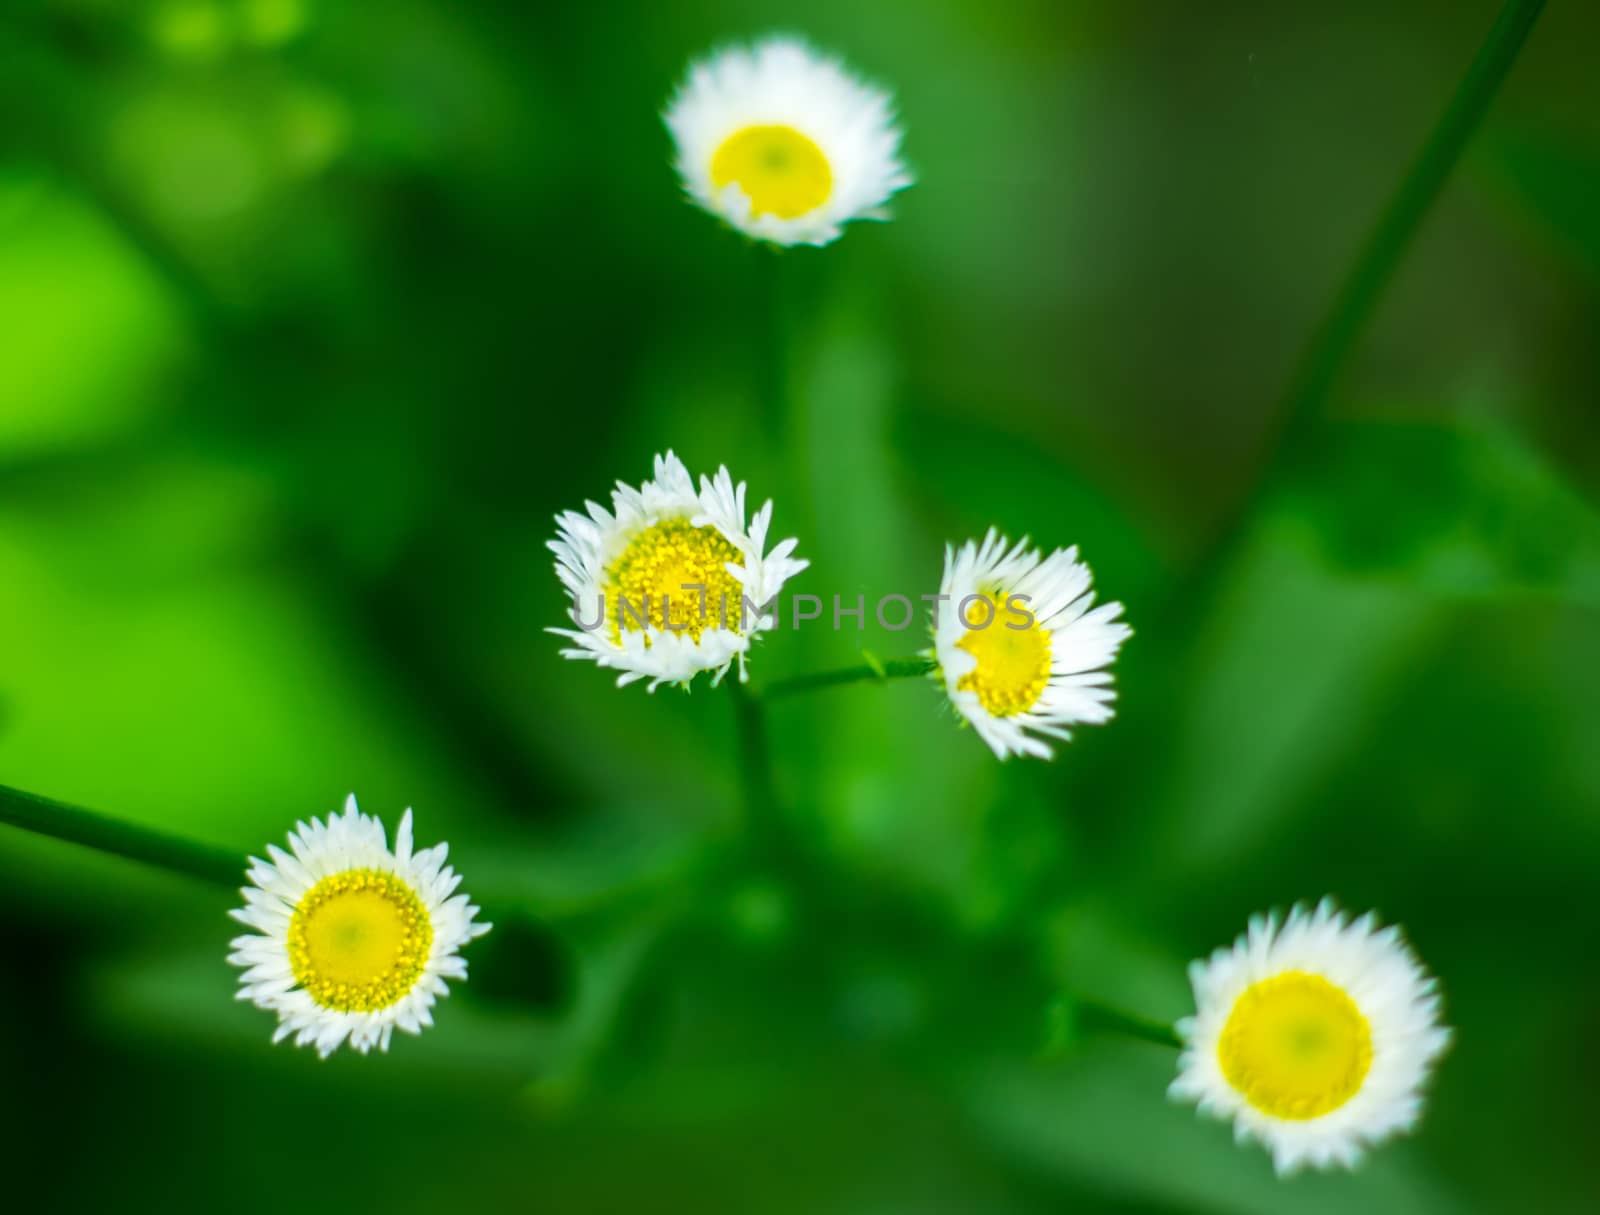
(1020,648)
(670,582)
(1314,1036)
(784,143)
(351,940)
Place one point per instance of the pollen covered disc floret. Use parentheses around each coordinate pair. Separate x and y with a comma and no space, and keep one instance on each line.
(351,939)
(1314,1035)
(785,144)
(670,581)
(1020,646)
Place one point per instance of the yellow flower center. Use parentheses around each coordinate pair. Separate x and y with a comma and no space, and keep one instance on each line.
(359,940)
(1295,1046)
(781,170)
(674,575)
(1013,664)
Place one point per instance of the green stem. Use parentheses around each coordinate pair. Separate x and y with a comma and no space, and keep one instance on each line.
(1351,310)
(760,790)
(774,369)
(1093,1015)
(880,671)
(45,816)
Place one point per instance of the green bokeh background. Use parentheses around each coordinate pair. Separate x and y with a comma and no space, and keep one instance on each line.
(313,314)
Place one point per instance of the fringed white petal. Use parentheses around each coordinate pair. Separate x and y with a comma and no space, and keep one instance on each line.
(1084,640)
(1376,969)
(585,548)
(781,81)
(350,840)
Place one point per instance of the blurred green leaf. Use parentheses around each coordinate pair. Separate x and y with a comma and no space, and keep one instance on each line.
(188,1000)
(1282,679)
(1550,181)
(977,478)
(1342,583)
(1101,1120)
(88,330)
(1455,509)
(242,705)
(590,862)
(1090,950)
(881,795)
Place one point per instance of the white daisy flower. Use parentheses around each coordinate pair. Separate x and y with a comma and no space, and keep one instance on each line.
(670,582)
(351,940)
(1019,648)
(784,143)
(1314,1036)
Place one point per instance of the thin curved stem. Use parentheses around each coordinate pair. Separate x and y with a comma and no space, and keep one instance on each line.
(1092,1014)
(207,863)
(774,368)
(1352,308)
(90,829)
(876,670)
(755,754)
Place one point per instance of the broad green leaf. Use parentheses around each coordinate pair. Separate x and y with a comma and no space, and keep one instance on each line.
(1344,578)
(158,664)
(884,770)
(1455,509)
(1102,1120)
(188,1002)
(89,330)
(1281,680)
(1550,183)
